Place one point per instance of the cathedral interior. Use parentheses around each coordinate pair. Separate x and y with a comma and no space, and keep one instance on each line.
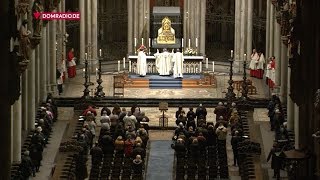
(56,72)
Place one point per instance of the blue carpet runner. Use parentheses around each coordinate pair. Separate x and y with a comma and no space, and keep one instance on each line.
(160,162)
(165,83)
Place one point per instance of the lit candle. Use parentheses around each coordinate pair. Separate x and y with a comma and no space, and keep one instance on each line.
(118,66)
(200,67)
(96,73)
(212,66)
(84,72)
(135,42)
(182,42)
(231,54)
(124,63)
(189,43)
(100,52)
(196,42)
(245,57)
(207,63)
(129,65)
(142,41)
(149,43)
(86,56)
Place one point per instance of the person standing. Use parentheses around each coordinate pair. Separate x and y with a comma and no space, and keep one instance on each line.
(253,65)
(260,66)
(178,64)
(59,77)
(234,143)
(71,64)
(275,161)
(142,61)
(272,73)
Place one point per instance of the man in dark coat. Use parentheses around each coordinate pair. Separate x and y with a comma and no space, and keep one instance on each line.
(191,116)
(234,142)
(275,161)
(201,113)
(96,153)
(26,166)
(36,155)
(220,110)
(138,150)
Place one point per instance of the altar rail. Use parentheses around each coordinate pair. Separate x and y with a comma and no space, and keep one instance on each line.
(192,64)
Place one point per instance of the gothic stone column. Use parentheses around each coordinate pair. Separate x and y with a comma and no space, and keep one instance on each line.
(82,30)
(249,28)
(290,105)
(284,73)
(203,27)
(237,29)
(53,56)
(43,64)
(31,91)
(130,26)
(267,53)
(271,27)
(16,120)
(277,52)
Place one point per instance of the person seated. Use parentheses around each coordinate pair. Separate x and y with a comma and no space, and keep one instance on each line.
(96,154)
(137,165)
(220,110)
(119,145)
(181,119)
(138,150)
(91,109)
(191,116)
(105,111)
(180,129)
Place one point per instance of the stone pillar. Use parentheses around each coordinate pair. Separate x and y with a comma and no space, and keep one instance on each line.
(203,27)
(53,55)
(24,96)
(82,29)
(64,54)
(136,22)
(31,91)
(48,56)
(43,64)
(290,105)
(94,34)
(260,8)
(237,30)
(11,133)
(140,21)
(197,24)
(277,52)
(37,75)
(267,53)
(88,28)
(243,30)
(191,23)
(296,126)
(185,21)
(147,19)
(17,118)
(130,26)
(271,27)
(249,28)
(284,73)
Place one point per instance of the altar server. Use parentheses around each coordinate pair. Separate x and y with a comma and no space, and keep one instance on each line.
(260,66)
(253,63)
(142,61)
(178,64)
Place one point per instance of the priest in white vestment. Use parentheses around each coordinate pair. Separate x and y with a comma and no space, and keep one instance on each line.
(260,66)
(178,64)
(253,65)
(163,63)
(142,62)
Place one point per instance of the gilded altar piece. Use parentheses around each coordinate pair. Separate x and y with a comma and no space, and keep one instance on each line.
(166,34)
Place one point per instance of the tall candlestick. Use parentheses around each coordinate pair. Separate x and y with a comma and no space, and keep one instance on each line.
(124,63)
(196,42)
(207,63)
(135,42)
(182,42)
(85,55)
(100,52)
(129,65)
(231,54)
(212,66)
(142,41)
(189,43)
(118,66)
(149,43)
(200,67)
(84,72)
(245,57)
(96,73)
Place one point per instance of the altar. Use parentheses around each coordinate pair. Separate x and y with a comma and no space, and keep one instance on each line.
(191,65)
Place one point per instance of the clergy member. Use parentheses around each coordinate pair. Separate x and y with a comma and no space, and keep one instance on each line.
(163,63)
(142,61)
(253,65)
(268,71)
(272,73)
(71,64)
(178,64)
(260,66)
